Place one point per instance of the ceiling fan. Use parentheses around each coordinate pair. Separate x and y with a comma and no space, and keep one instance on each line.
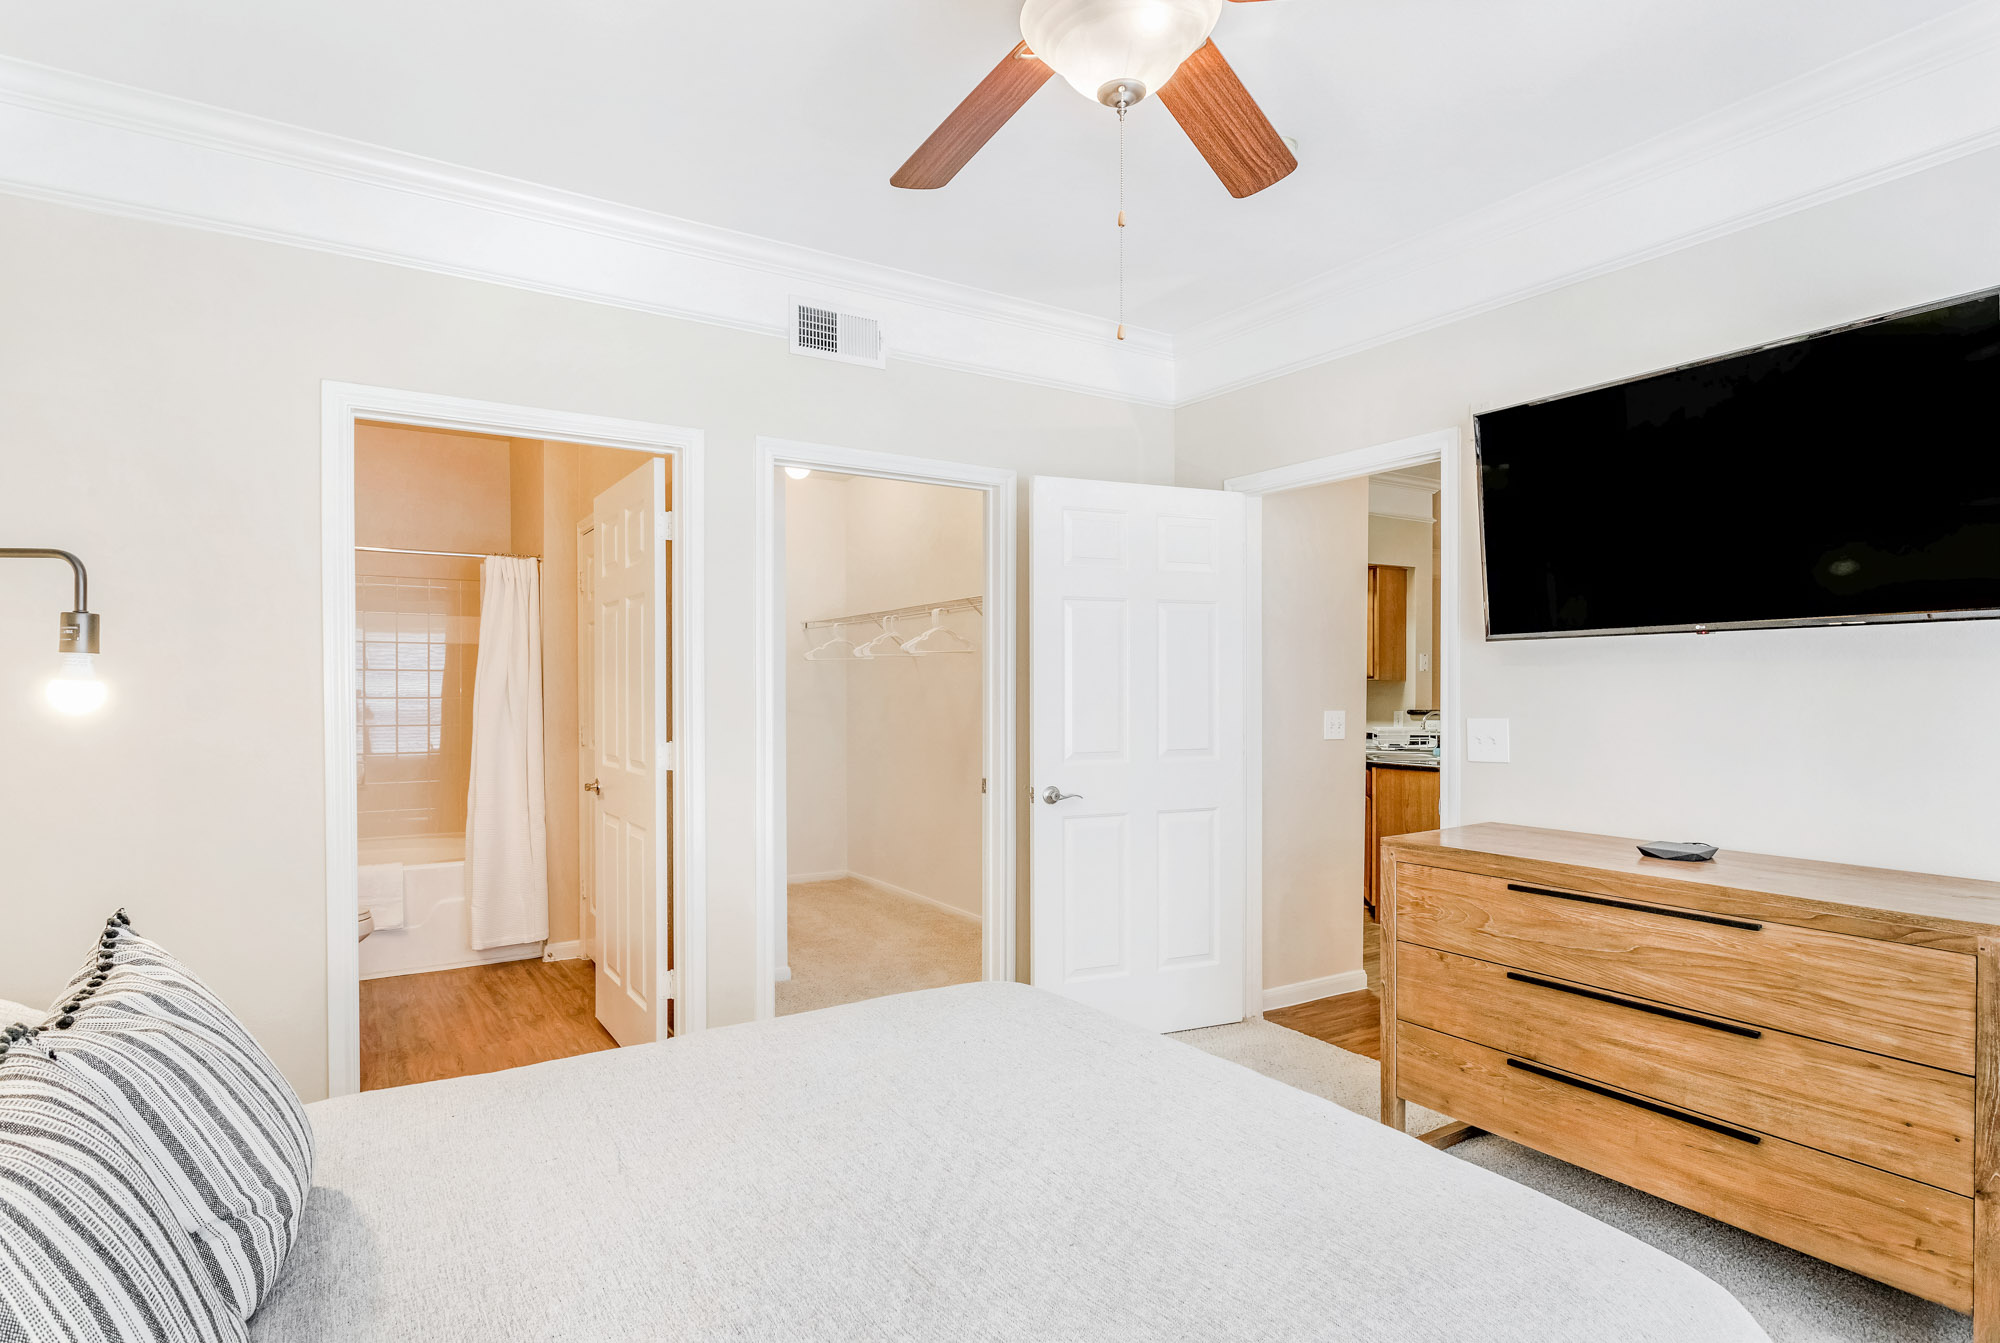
(1117,52)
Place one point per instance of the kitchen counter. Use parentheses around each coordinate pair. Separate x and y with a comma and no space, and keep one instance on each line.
(1403,760)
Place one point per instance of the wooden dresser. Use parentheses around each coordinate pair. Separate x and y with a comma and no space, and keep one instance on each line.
(1805,1050)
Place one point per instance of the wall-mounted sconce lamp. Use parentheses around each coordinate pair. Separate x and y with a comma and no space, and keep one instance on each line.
(75,688)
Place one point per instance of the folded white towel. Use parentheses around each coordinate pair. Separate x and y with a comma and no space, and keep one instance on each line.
(381,893)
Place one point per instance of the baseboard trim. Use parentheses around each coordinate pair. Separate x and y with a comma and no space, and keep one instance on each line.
(563,951)
(886,887)
(527,951)
(1312,990)
(890,888)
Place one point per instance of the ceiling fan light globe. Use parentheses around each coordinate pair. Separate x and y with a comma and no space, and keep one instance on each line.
(1097,45)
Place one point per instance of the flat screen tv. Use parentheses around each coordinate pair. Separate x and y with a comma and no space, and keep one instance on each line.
(1848,476)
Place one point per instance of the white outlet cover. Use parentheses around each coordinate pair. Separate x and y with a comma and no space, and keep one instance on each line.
(1486,740)
(1335,726)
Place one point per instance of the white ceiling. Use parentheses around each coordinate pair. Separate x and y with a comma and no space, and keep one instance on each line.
(784,118)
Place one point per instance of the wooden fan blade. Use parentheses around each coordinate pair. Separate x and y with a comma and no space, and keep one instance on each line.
(985,110)
(1226,124)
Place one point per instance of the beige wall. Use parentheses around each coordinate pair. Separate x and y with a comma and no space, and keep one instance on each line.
(1779,741)
(913,745)
(815,692)
(160,414)
(885,756)
(1315,658)
(421,489)
(1406,544)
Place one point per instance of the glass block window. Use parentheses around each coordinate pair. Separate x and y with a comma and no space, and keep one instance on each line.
(415,649)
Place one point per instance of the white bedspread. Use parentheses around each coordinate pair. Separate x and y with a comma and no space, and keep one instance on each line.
(980,1162)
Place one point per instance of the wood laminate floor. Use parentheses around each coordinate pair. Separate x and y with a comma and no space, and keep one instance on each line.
(1350,1021)
(453,1023)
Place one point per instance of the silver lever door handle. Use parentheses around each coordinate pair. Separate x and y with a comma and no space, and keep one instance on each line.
(592,787)
(1053,795)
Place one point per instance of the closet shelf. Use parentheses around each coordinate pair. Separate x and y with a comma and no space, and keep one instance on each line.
(897,613)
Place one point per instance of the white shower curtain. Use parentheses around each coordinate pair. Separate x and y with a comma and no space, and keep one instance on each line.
(506,837)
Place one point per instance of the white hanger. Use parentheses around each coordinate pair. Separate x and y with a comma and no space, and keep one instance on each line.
(836,649)
(885,644)
(938,639)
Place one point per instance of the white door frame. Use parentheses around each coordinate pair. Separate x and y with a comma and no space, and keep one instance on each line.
(341,405)
(997,709)
(1440,446)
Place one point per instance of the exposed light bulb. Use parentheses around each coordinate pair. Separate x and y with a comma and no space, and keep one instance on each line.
(75,689)
(798,472)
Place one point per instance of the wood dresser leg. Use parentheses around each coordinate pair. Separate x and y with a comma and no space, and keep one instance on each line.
(1986,1148)
(1385,910)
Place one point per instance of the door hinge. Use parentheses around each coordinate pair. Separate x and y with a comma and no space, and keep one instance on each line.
(669,755)
(665,526)
(982,787)
(670,985)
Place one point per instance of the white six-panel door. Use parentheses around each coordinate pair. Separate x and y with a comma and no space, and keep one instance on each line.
(629,704)
(1137,878)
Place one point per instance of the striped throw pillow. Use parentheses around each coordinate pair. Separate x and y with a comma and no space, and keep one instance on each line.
(205,1111)
(90,1250)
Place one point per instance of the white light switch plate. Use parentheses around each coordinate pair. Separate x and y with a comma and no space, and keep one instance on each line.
(1335,727)
(1486,740)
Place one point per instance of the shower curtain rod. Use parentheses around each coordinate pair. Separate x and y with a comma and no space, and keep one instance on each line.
(448,554)
(899,613)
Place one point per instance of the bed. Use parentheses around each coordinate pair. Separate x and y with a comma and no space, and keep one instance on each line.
(980,1162)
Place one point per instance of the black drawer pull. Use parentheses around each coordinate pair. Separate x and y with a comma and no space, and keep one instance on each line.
(1747,1032)
(1658,1109)
(1744,924)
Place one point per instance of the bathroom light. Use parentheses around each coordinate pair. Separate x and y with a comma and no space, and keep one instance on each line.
(75,689)
(1113,50)
(798,472)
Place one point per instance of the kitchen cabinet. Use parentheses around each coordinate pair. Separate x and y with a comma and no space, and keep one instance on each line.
(1402,800)
(1388,622)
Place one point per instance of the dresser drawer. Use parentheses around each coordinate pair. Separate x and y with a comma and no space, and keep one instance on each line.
(1904,1233)
(1907,1002)
(1903,1117)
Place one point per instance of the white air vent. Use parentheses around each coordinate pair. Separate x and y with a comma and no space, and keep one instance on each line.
(825,331)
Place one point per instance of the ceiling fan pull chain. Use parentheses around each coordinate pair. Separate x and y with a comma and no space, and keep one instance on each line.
(1121,223)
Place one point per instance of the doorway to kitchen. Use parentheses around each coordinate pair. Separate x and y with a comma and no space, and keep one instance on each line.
(1357,698)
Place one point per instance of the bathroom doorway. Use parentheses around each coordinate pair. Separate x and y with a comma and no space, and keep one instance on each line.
(476,824)
(511,650)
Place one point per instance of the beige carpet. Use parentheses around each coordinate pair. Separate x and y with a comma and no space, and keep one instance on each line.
(847,940)
(1351,1081)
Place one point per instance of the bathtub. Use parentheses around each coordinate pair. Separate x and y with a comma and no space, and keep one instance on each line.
(437,919)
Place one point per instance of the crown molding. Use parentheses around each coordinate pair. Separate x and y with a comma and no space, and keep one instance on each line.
(1919,99)
(111,148)
(1390,497)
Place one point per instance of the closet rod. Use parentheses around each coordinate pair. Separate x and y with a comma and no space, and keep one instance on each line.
(447,554)
(899,613)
